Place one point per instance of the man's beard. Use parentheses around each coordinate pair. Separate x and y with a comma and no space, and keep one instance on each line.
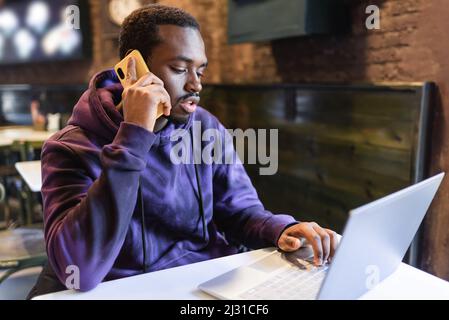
(178,119)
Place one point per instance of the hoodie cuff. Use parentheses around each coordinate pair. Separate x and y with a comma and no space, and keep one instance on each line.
(285,228)
(136,139)
(278,223)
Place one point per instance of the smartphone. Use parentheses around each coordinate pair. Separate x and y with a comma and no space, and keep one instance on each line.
(121,69)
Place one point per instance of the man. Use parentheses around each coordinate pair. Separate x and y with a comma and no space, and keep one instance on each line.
(114,203)
(38,118)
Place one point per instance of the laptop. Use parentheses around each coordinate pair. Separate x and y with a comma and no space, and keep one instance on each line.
(374,242)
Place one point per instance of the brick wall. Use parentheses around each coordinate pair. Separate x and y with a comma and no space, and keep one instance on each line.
(363,55)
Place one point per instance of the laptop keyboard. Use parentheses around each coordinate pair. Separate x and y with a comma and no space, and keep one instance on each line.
(292,283)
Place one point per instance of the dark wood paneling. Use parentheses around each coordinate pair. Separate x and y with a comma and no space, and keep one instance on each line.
(339,146)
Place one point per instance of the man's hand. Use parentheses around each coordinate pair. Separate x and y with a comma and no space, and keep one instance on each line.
(141,98)
(324,241)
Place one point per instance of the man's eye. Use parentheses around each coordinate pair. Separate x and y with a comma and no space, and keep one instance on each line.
(178,70)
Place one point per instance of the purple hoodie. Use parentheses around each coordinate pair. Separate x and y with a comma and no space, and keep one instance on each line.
(91,172)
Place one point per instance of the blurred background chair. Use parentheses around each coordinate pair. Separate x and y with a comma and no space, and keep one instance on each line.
(20,248)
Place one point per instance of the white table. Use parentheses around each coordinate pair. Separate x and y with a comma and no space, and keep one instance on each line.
(30,171)
(22,134)
(181,283)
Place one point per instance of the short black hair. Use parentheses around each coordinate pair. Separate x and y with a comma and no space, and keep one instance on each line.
(140,29)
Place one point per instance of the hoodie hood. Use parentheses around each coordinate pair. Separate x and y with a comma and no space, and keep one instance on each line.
(96,111)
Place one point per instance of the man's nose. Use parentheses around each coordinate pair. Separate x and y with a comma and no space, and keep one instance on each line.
(194,84)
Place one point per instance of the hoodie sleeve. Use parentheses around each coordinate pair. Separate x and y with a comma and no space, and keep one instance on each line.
(237,208)
(86,220)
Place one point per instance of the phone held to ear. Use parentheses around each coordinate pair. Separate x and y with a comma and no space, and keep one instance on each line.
(121,69)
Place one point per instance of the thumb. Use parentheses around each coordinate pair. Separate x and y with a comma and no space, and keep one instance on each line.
(131,75)
(289,243)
